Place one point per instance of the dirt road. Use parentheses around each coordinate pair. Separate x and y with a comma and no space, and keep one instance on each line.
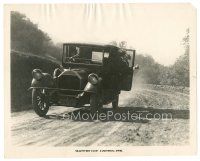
(58,129)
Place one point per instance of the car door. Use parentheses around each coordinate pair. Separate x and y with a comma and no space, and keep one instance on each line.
(128,77)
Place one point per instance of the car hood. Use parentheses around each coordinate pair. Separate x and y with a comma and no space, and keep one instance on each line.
(80,73)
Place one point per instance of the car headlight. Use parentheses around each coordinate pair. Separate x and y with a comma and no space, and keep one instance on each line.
(37,74)
(93,78)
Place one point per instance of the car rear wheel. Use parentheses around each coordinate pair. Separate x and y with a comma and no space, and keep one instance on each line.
(115,102)
(40,102)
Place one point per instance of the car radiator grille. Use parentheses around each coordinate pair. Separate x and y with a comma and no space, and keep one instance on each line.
(69,82)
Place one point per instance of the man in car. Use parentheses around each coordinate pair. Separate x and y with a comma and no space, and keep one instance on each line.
(75,55)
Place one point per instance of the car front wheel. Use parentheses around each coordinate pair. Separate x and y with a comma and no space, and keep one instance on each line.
(115,102)
(94,102)
(40,102)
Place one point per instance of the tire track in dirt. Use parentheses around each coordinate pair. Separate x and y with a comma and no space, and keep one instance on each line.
(62,132)
(49,136)
(36,129)
(93,135)
(123,135)
(115,127)
(92,129)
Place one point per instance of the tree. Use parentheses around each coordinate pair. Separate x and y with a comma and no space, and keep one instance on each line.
(113,43)
(27,37)
(123,44)
(181,66)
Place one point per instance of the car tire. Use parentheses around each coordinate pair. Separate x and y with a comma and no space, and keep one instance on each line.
(115,102)
(94,102)
(40,102)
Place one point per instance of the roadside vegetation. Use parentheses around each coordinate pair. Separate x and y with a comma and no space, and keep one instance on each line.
(28,38)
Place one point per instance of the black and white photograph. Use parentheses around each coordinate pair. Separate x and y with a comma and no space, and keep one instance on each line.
(100,79)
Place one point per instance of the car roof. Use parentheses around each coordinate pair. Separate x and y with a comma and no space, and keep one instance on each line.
(91,44)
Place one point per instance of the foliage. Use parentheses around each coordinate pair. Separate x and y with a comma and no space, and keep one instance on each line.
(27,37)
(178,73)
(151,72)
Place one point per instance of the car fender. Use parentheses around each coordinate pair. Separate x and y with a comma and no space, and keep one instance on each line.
(90,88)
(45,81)
(93,88)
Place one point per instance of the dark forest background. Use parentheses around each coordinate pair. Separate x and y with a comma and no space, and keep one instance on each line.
(33,48)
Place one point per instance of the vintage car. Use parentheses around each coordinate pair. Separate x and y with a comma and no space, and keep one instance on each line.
(91,74)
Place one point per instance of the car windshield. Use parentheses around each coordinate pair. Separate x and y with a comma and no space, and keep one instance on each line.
(82,54)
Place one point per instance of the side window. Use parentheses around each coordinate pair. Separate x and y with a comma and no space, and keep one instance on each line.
(69,51)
